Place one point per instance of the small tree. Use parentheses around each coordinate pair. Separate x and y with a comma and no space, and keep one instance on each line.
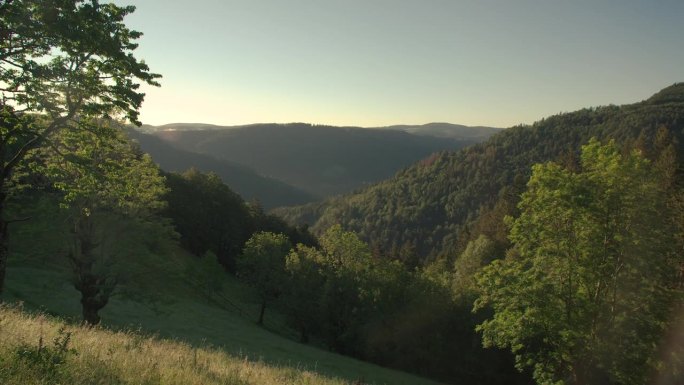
(262,266)
(301,298)
(585,294)
(61,61)
(345,297)
(478,253)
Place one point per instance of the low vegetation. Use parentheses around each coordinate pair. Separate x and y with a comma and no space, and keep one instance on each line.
(37,349)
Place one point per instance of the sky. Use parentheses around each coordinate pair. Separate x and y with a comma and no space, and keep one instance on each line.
(379,62)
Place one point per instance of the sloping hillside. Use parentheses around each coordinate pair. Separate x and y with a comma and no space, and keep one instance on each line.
(428,206)
(321,160)
(249,184)
(163,291)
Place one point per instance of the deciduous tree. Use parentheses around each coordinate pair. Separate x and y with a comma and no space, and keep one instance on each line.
(301,298)
(585,293)
(111,191)
(61,61)
(262,265)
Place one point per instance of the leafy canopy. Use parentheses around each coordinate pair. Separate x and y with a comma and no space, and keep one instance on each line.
(63,64)
(262,265)
(68,57)
(583,296)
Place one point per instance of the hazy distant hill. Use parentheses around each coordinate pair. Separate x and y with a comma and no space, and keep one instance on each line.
(432,206)
(448,130)
(322,160)
(250,185)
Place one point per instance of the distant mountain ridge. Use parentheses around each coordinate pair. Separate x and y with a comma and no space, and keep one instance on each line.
(321,160)
(436,129)
(447,130)
(435,206)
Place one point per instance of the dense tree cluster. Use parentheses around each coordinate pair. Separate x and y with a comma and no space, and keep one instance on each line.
(341,296)
(210,217)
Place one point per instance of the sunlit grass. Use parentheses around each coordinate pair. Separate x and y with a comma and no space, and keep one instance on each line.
(99,356)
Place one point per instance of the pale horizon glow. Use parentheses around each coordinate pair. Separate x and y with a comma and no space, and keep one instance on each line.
(381,62)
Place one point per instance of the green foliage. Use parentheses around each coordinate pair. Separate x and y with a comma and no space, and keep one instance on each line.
(585,294)
(262,266)
(376,309)
(262,221)
(161,299)
(478,253)
(305,279)
(208,215)
(69,58)
(672,94)
(98,168)
(347,266)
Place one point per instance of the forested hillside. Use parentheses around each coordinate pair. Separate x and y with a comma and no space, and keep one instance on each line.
(436,206)
(321,160)
(246,182)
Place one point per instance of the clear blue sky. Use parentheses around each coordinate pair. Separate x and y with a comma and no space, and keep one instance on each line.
(381,62)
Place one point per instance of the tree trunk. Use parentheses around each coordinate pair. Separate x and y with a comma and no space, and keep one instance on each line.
(4,251)
(95,288)
(261,313)
(304,336)
(92,301)
(95,291)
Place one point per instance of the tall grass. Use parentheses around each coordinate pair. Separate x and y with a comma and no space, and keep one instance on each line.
(37,349)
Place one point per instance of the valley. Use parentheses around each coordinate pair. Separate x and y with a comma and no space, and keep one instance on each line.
(320,160)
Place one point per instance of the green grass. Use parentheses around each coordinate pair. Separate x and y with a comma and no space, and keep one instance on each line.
(176,297)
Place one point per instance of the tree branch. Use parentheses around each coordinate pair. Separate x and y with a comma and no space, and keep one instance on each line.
(18,220)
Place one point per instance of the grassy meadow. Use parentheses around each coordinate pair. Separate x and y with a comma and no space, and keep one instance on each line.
(176,319)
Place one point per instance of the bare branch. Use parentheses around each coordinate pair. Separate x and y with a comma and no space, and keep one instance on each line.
(17,220)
